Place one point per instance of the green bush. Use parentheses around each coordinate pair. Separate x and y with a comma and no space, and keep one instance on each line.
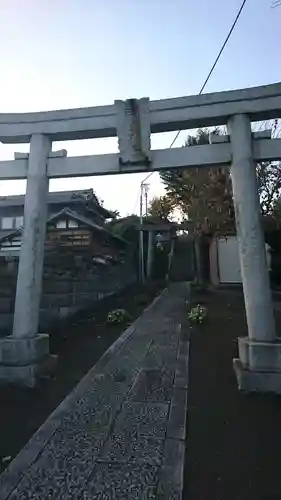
(118,316)
(197,314)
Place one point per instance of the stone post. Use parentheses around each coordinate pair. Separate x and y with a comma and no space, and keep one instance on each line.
(150,254)
(198,260)
(32,248)
(22,352)
(259,353)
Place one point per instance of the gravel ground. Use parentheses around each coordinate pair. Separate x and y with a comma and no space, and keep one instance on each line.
(234,440)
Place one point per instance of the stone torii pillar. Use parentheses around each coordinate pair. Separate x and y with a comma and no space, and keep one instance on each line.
(259,365)
(23,351)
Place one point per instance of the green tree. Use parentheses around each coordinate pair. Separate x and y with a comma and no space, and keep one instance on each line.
(203,194)
(161,207)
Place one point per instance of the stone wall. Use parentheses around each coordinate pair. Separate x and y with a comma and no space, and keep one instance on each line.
(64,292)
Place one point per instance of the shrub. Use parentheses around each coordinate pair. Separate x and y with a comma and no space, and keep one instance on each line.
(118,316)
(197,314)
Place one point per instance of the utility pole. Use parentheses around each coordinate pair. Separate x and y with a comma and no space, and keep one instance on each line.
(146,187)
(141,251)
(143,188)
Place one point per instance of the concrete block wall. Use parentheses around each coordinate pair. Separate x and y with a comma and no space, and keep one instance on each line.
(64,294)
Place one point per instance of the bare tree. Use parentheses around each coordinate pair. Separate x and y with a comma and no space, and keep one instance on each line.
(269,185)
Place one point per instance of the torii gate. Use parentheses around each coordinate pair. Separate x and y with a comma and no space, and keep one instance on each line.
(259,363)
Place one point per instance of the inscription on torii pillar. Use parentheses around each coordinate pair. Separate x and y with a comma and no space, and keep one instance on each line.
(133,130)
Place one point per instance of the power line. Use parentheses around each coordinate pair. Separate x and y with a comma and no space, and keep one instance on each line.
(136,202)
(216,60)
(139,190)
(212,68)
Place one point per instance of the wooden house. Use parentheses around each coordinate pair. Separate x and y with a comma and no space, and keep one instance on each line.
(78,226)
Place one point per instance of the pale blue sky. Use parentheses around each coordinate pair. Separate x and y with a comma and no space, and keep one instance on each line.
(71,53)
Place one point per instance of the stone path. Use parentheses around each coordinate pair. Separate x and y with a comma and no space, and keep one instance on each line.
(121,433)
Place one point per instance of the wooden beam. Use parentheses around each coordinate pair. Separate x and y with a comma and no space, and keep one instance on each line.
(260,103)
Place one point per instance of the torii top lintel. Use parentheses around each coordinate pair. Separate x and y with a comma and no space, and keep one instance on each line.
(260,103)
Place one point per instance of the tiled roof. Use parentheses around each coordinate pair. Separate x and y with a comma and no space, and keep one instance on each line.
(74,215)
(58,197)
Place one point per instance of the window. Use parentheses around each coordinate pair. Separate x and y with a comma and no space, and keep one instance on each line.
(19,222)
(61,224)
(7,223)
(72,223)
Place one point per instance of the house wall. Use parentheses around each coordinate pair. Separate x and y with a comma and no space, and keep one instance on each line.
(68,237)
(53,208)
(96,242)
(72,279)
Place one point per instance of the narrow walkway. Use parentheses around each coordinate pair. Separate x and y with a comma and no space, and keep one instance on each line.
(120,434)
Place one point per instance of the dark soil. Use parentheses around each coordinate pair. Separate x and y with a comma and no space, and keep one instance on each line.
(79,345)
(234,440)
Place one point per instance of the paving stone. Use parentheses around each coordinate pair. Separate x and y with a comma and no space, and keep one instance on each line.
(185,330)
(159,357)
(170,338)
(184,348)
(178,414)
(82,444)
(111,437)
(181,375)
(153,385)
(143,419)
(127,447)
(85,430)
(122,482)
(170,484)
(54,478)
(26,457)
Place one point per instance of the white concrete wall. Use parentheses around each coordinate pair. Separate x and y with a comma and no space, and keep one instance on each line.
(228,263)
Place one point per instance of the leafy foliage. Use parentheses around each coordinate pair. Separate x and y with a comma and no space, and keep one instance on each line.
(204,195)
(118,316)
(161,207)
(120,226)
(197,314)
